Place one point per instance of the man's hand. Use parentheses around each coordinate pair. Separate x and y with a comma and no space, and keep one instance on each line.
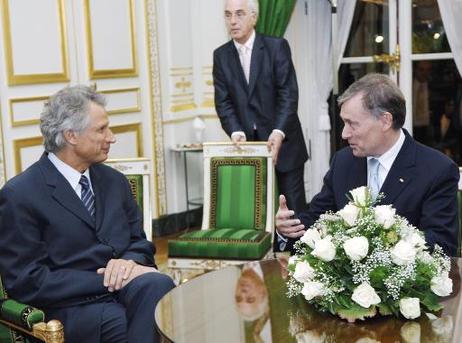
(274,144)
(116,272)
(286,226)
(238,138)
(137,271)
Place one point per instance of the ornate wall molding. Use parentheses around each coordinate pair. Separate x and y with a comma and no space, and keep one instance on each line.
(156,107)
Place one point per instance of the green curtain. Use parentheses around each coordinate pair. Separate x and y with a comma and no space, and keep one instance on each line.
(274,16)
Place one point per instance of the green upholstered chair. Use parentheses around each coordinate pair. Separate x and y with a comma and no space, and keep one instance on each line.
(19,322)
(137,172)
(238,214)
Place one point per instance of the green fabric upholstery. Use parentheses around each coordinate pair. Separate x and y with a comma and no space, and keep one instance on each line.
(222,243)
(237,221)
(238,193)
(16,313)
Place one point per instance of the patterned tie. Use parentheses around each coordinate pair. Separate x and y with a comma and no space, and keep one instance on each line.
(88,198)
(245,61)
(374,183)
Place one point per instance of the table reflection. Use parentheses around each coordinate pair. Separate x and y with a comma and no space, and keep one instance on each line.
(248,303)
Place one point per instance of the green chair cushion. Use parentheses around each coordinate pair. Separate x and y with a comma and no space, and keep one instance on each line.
(242,244)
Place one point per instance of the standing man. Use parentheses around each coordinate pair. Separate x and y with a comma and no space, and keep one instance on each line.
(72,240)
(420,182)
(256,96)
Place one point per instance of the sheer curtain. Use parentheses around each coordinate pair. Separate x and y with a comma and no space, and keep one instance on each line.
(321,68)
(451,13)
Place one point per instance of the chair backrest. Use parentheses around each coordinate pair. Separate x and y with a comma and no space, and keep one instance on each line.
(238,186)
(137,171)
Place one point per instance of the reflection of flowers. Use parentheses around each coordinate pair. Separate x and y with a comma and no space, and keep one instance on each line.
(410,332)
(363,259)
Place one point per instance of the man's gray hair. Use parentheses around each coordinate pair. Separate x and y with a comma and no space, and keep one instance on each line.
(253,7)
(380,94)
(67,110)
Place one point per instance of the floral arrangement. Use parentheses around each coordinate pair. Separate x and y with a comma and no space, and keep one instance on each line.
(364,260)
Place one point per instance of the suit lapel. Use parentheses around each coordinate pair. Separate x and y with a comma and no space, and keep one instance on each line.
(401,172)
(99,197)
(63,192)
(255,62)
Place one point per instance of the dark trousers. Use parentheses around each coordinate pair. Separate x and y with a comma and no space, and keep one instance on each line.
(292,186)
(128,316)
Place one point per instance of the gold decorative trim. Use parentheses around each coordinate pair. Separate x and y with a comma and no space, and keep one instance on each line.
(16,123)
(155,102)
(23,79)
(208,103)
(190,118)
(137,108)
(183,107)
(118,129)
(110,73)
(21,143)
(215,163)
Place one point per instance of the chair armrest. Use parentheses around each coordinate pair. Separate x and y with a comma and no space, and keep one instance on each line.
(30,320)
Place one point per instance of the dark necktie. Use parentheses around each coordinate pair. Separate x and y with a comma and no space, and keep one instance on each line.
(88,198)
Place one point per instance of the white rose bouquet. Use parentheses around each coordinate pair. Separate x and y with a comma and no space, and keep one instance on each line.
(364,260)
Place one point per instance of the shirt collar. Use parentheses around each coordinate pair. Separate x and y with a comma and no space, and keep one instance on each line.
(386,159)
(248,44)
(70,174)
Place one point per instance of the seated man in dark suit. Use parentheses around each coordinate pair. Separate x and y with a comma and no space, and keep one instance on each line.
(420,182)
(72,240)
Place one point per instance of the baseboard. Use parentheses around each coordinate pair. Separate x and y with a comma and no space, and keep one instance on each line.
(173,223)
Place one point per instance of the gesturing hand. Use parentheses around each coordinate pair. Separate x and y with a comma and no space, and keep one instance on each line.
(286,226)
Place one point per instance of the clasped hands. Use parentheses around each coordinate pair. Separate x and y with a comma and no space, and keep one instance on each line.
(119,272)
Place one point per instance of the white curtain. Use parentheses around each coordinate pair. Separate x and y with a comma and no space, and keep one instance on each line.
(451,13)
(321,68)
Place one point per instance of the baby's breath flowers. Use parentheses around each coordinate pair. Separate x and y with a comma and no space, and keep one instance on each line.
(364,260)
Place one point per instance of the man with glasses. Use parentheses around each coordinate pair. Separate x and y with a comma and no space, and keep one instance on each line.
(256,97)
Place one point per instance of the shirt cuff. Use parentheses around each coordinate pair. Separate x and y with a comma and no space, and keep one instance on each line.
(240,133)
(280,132)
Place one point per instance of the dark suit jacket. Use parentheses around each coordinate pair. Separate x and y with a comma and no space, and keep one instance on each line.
(270,100)
(50,247)
(421,185)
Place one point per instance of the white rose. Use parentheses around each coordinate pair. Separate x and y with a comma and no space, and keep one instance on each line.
(310,237)
(313,289)
(324,249)
(416,239)
(292,260)
(410,307)
(424,256)
(356,248)
(385,215)
(441,285)
(403,253)
(349,214)
(410,332)
(365,295)
(303,272)
(359,195)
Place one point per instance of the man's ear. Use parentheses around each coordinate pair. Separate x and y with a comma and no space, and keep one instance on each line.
(70,137)
(387,120)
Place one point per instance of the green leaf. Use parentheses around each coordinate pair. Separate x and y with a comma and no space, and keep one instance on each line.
(384,309)
(431,302)
(356,312)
